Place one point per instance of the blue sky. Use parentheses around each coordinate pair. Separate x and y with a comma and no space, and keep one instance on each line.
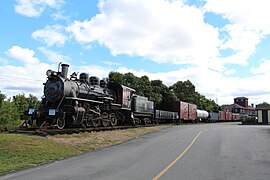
(221,46)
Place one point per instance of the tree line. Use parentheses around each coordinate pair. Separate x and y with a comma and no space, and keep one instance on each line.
(156,91)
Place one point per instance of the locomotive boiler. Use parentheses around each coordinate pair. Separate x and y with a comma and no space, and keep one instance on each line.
(87,101)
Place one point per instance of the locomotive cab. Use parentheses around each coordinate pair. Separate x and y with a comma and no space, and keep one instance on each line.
(123,95)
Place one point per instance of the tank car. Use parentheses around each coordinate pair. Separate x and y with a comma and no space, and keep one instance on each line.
(202,115)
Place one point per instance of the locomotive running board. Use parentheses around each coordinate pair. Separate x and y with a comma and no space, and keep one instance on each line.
(80,99)
(113,104)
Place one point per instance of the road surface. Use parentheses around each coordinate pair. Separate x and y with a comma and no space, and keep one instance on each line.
(201,151)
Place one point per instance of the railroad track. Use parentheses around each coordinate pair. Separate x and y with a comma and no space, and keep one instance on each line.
(43,132)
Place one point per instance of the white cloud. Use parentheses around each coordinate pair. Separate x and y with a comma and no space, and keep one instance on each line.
(27,79)
(23,54)
(242,41)
(230,72)
(51,35)
(34,8)
(164,31)
(54,56)
(263,68)
(60,16)
(252,14)
(249,23)
(170,31)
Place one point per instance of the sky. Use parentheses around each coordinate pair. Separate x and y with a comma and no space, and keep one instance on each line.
(221,46)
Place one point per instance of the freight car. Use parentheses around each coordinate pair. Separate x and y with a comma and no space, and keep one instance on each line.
(213,117)
(162,116)
(228,116)
(187,112)
(88,102)
(223,116)
(236,117)
(202,115)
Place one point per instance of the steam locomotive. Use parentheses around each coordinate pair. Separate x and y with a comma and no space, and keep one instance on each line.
(87,101)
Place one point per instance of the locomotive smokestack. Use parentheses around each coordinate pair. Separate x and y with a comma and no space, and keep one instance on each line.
(64,72)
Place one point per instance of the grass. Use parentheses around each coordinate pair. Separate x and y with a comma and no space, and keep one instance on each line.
(18,151)
(21,151)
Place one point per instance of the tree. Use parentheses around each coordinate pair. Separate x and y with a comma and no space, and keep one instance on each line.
(161,94)
(8,113)
(157,88)
(33,101)
(185,91)
(144,87)
(21,103)
(130,80)
(207,104)
(263,103)
(2,98)
(116,77)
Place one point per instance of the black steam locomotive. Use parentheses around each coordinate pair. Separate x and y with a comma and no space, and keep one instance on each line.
(89,102)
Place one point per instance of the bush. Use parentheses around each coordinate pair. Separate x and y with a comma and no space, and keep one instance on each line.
(9,116)
(249,120)
(8,112)
(12,111)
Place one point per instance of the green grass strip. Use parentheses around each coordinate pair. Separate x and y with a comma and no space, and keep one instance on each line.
(19,151)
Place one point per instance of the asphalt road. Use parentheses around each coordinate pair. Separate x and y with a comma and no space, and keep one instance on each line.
(206,151)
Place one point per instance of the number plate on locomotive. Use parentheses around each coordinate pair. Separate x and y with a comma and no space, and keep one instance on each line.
(51,112)
(31,111)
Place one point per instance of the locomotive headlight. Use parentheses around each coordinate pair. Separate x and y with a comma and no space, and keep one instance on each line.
(49,73)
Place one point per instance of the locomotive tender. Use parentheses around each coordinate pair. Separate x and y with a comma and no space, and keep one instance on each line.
(89,102)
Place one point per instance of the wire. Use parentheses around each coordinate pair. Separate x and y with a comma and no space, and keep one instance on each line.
(16,78)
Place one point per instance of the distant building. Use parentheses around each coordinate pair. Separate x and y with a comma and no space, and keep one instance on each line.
(241,106)
(242,101)
(263,113)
